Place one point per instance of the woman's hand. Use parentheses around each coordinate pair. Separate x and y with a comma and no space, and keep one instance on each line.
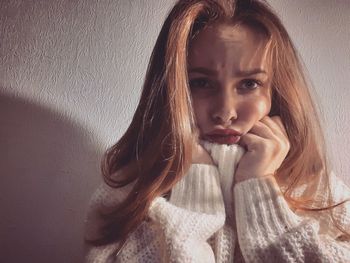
(200,155)
(266,146)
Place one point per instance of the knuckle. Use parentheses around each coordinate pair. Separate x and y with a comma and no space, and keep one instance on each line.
(278,147)
(276,118)
(267,147)
(287,145)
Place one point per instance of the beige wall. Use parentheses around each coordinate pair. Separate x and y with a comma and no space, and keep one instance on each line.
(70,78)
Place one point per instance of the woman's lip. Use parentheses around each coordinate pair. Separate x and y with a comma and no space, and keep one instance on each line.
(224,132)
(223,139)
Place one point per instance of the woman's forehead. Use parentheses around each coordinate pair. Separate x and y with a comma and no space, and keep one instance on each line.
(230,31)
(227,43)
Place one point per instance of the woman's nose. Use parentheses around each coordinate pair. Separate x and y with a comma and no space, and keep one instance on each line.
(224,111)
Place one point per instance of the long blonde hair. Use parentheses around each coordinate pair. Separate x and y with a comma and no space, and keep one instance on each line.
(155,152)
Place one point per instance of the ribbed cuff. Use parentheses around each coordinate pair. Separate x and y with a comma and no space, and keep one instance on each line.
(261,208)
(227,158)
(195,209)
(199,190)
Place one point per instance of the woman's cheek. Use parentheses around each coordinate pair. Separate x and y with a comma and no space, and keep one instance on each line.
(199,114)
(263,107)
(253,111)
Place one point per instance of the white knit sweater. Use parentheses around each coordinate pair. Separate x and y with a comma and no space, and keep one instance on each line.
(207,219)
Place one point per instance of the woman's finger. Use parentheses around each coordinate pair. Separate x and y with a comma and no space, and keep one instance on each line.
(251,141)
(262,130)
(278,121)
(276,125)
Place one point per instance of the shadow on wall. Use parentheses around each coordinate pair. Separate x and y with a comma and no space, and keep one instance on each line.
(49,168)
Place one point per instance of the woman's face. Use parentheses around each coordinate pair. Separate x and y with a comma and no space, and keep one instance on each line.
(230,79)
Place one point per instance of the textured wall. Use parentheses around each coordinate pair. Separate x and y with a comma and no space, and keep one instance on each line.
(70,78)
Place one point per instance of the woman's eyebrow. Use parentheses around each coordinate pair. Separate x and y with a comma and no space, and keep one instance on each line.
(249,72)
(203,70)
(240,73)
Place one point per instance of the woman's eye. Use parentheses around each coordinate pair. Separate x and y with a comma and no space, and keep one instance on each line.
(200,83)
(250,84)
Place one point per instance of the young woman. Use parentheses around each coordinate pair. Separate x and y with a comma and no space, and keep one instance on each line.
(224,159)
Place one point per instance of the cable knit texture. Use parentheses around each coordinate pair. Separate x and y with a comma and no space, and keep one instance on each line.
(208,219)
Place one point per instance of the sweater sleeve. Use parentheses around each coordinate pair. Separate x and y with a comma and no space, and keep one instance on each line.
(104,198)
(145,244)
(267,228)
(226,157)
(176,231)
(194,212)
